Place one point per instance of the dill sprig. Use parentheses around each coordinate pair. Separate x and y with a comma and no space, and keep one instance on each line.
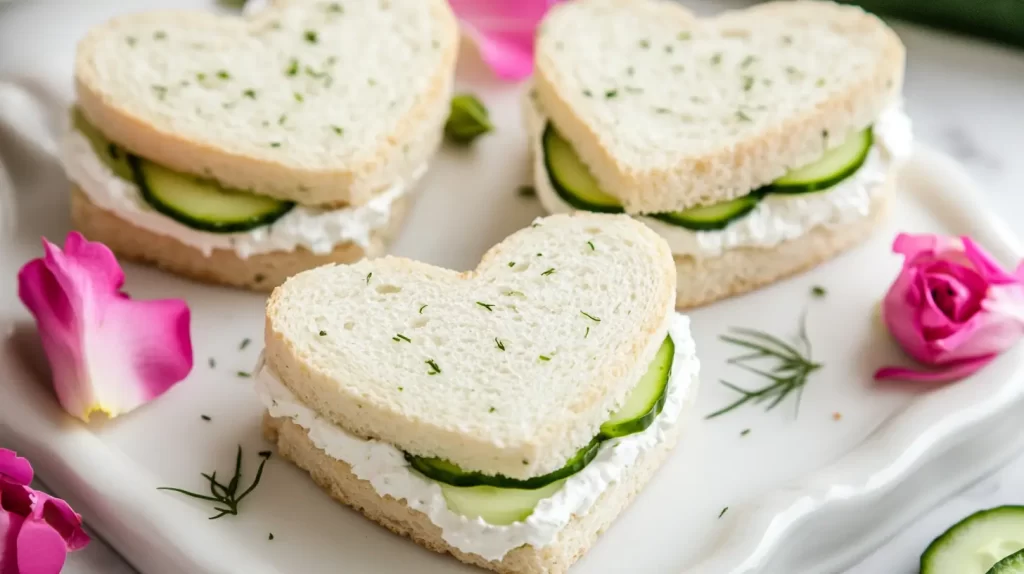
(789,376)
(225,496)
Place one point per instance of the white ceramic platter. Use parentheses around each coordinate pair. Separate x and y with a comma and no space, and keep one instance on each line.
(805,492)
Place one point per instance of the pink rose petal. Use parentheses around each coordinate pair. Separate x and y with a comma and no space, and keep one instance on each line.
(41,550)
(948,374)
(14,468)
(985,264)
(83,317)
(10,526)
(504,32)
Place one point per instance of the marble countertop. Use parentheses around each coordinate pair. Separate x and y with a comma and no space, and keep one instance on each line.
(966,97)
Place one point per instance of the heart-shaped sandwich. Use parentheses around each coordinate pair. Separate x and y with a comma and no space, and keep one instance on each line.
(242,150)
(505,415)
(758,143)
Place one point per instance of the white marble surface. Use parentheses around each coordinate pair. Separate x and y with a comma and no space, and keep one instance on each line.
(967,98)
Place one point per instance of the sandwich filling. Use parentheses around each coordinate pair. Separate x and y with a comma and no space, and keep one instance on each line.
(459,511)
(762,220)
(202,215)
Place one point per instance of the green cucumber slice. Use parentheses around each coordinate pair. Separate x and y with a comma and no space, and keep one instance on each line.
(976,543)
(572,179)
(712,217)
(646,400)
(114,156)
(836,165)
(1012,564)
(498,506)
(202,204)
(449,473)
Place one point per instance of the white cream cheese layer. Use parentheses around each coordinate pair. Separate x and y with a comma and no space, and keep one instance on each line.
(384,466)
(318,230)
(778,217)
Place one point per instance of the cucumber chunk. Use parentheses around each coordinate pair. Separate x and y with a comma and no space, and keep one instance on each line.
(498,506)
(712,217)
(202,204)
(571,178)
(648,398)
(836,165)
(449,473)
(1012,564)
(976,543)
(114,156)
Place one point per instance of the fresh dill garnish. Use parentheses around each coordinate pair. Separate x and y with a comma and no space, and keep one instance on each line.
(434,369)
(589,316)
(488,306)
(311,36)
(591,244)
(549,271)
(526,191)
(205,417)
(293,68)
(243,374)
(545,358)
(213,363)
(422,308)
(225,496)
(744,432)
(514,293)
(323,333)
(498,342)
(401,337)
(245,343)
(818,291)
(788,376)
(368,275)
(722,513)
(587,334)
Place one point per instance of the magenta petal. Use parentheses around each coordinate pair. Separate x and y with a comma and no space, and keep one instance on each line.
(987,266)
(912,245)
(947,374)
(504,32)
(41,550)
(59,515)
(10,527)
(14,468)
(509,54)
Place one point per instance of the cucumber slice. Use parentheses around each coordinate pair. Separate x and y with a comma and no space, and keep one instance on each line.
(203,205)
(976,543)
(114,156)
(572,179)
(836,165)
(648,398)
(450,473)
(712,217)
(1012,564)
(498,506)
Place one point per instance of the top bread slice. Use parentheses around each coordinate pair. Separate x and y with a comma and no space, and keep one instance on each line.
(319,102)
(670,111)
(508,369)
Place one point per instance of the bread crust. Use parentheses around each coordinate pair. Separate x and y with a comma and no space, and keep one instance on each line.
(335,477)
(701,281)
(732,170)
(396,157)
(260,272)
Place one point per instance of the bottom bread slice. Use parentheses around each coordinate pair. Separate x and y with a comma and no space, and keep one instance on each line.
(700,281)
(572,542)
(261,272)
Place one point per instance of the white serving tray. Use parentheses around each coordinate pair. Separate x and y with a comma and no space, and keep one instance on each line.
(806,494)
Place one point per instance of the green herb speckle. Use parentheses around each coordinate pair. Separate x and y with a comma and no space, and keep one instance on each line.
(818,291)
(722,513)
(131,40)
(544,358)
(271,536)
(251,94)
(422,308)
(245,343)
(589,316)
(645,43)
(748,61)
(716,58)
(243,375)
(160,35)
(588,93)
(591,244)
(400,337)
(549,271)
(611,94)
(434,369)
(742,116)
(293,68)
(205,418)
(323,333)
(335,8)
(299,97)
(748,83)
(212,362)
(491,410)
(526,191)
(338,130)
(683,36)
(368,276)
(511,263)
(275,144)
(587,333)
(160,91)
(223,74)
(499,344)
(488,306)
(744,432)
(311,36)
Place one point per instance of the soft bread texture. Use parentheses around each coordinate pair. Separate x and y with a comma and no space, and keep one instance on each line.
(669,111)
(705,280)
(322,103)
(262,272)
(332,337)
(573,541)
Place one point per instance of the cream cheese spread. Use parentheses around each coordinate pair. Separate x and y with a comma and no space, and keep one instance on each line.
(317,229)
(384,466)
(778,217)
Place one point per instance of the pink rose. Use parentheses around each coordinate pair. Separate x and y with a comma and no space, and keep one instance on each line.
(953,308)
(504,32)
(36,530)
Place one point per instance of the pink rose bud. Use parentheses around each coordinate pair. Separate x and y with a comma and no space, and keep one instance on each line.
(504,32)
(108,353)
(953,308)
(36,530)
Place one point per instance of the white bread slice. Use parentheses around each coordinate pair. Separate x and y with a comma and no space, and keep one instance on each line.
(573,541)
(332,337)
(669,111)
(258,272)
(319,102)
